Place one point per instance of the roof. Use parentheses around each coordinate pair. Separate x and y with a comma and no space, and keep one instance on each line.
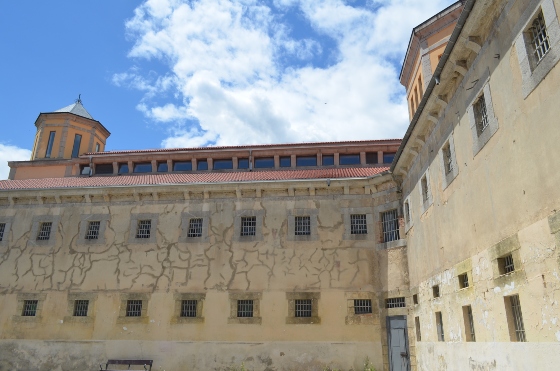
(77,109)
(191,178)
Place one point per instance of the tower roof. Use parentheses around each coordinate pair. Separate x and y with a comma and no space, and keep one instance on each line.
(77,109)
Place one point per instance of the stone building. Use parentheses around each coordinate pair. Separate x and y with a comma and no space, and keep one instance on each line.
(435,253)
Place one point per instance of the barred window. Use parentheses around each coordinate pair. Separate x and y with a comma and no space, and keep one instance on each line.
(407,211)
(362,306)
(480,115)
(134,308)
(447,159)
(303,307)
(358,224)
(245,308)
(469,323)
(395,303)
(195,227)
(463,281)
(424,188)
(439,326)
(390,225)
(517,318)
(505,264)
(303,226)
(417,325)
(188,308)
(539,40)
(2,228)
(93,230)
(144,229)
(30,308)
(81,308)
(248,226)
(44,231)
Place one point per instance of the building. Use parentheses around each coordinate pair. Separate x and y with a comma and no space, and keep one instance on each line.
(437,252)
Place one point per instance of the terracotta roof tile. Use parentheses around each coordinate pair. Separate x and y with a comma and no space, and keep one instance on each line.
(186,178)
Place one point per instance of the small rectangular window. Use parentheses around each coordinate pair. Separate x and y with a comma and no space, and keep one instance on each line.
(362,306)
(76,147)
(245,308)
(435,291)
(439,327)
(195,227)
(306,161)
(50,144)
(515,318)
(328,160)
(96,147)
(162,167)
(92,232)
(44,231)
(182,165)
(469,323)
(407,211)
(243,163)
(188,308)
(388,157)
(371,158)
(424,185)
(248,226)
(223,164)
(264,162)
(390,225)
(123,168)
(134,308)
(144,229)
(447,158)
(285,161)
(302,226)
(415,299)
(2,228)
(349,159)
(395,303)
(417,325)
(144,167)
(480,115)
(505,264)
(539,37)
(463,281)
(30,308)
(358,224)
(104,169)
(202,165)
(303,307)
(81,308)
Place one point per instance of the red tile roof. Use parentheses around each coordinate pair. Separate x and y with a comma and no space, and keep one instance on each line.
(186,178)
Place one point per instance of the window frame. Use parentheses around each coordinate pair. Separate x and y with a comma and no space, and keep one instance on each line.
(449,163)
(91,297)
(468,320)
(481,137)
(185,224)
(143,318)
(352,318)
(36,225)
(21,299)
(395,223)
(258,214)
(133,229)
(291,297)
(234,298)
(292,215)
(179,298)
(76,146)
(85,219)
(7,221)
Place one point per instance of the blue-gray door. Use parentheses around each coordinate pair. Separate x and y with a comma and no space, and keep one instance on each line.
(399,359)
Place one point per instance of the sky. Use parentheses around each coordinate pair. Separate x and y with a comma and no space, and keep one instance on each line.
(189,73)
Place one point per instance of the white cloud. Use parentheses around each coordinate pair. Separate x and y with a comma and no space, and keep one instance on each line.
(226,60)
(11,153)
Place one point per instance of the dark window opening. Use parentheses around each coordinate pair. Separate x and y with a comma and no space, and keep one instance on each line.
(92,232)
(188,308)
(303,307)
(103,169)
(144,167)
(81,308)
(50,144)
(249,226)
(223,164)
(463,281)
(417,324)
(390,225)
(302,226)
(505,264)
(349,159)
(371,158)
(515,318)
(96,147)
(30,308)
(306,161)
(395,303)
(362,306)
(328,160)
(144,229)
(123,168)
(388,157)
(162,167)
(195,227)
(285,161)
(435,291)
(76,147)
(245,308)
(2,228)
(182,165)
(134,308)
(439,327)
(264,162)
(469,323)
(358,224)
(415,299)
(202,165)
(44,231)
(243,163)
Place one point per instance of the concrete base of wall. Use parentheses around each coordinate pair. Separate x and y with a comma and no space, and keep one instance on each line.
(484,356)
(52,355)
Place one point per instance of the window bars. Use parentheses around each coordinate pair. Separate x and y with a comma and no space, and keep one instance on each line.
(195,227)
(44,231)
(30,308)
(245,308)
(508,264)
(539,41)
(134,308)
(390,225)
(464,280)
(81,308)
(93,230)
(144,229)
(517,318)
(358,224)
(248,226)
(2,228)
(362,306)
(303,307)
(480,114)
(188,308)
(447,159)
(302,226)
(471,323)
(439,327)
(395,303)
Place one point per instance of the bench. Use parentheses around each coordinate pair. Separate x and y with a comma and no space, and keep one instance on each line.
(127,362)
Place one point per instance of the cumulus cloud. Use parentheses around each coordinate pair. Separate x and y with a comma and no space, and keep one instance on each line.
(11,153)
(242,77)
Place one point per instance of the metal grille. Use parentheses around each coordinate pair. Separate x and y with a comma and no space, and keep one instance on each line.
(508,264)
(390,223)
(30,308)
(134,308)
(464,280)
(471,323)
(245,308)
(439,326)
(480,114)
(2,228)
(358,224)
(303,307)
(540,42)
(362,306)
(303,226)
(249,226)
(144,229)
(81,308)
(195,227)
(395,303)
(447,159)
(517,318)
(44,231)
(188,308)
(93,230)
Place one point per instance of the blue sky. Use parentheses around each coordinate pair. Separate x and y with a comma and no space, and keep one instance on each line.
(172,73)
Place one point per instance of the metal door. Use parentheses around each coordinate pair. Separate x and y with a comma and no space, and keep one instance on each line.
(397,340)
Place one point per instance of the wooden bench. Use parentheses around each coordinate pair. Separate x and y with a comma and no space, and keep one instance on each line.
(127,362)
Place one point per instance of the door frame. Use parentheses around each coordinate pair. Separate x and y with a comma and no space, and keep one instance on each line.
(389,348)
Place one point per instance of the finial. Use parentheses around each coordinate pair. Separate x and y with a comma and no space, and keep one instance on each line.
(79,100)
